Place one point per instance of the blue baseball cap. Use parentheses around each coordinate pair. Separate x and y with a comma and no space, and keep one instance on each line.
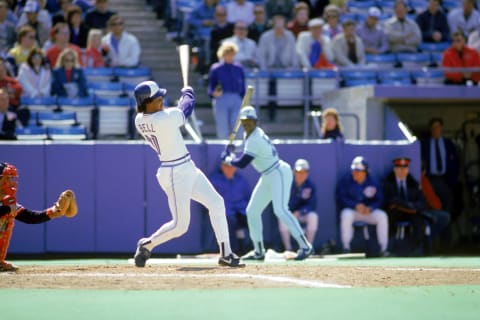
(359,164)
(148,90)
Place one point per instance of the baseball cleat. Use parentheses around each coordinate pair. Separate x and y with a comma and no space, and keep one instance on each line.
(7,267)
(304,253)
(231,260)
(142,254)
(254,256)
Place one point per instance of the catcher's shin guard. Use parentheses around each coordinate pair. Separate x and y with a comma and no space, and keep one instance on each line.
(6,229)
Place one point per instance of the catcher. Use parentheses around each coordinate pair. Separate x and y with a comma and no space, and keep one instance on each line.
(10,210)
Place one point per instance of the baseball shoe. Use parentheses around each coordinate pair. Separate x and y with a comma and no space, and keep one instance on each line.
(254,256)
(304,253)
(7,267)
(232,260)
(142,254)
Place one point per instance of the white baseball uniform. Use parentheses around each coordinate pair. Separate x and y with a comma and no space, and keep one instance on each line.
(180,178)
(274,185)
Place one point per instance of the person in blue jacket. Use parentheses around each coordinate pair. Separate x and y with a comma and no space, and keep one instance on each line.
(360,198)
(68,78)
(303,202)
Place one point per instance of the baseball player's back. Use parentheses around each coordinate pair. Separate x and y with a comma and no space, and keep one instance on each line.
(259,146)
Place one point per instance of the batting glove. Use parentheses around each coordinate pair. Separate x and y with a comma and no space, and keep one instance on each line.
(188,89)
(230,148)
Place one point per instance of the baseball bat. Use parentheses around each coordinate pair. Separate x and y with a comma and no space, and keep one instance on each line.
(184,55)
(245,102)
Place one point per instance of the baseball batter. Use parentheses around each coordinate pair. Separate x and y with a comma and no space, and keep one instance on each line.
(274,185)
(177,175)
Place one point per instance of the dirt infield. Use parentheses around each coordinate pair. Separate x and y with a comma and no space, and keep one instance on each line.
(210,276)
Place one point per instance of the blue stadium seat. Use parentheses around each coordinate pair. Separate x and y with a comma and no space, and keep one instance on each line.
(360,6)
(56,119)
(106,89)
(114,116)
(360,82)
(321,81)
(449,5)
(396,82)
(434,47)
(428,77)
(67,133)
(381,60)
(259,80)
(394,75)
(31,133)
(416,59)
(84,109)
(133,75)
(436,58)
(98,74)
(289,87)
(360,74)
(348,16)
(39,103)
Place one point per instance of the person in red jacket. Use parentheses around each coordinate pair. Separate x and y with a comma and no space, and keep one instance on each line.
(460,56)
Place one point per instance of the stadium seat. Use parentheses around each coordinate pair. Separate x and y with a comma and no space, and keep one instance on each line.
(67,133)
(56,119)
(84,109)
(394,75)
(133,75)
(99,74)
(31,133)
(386,6)
(396,82)
(321,82)
(416,59)
(359,82)
(106,89)
(259,80)
(418,5)
(449,5)
(39,104)
(436,59)
(428,77)
(358,74)
(360,6)
(434,47)
(348,16)
(381,60)
(114,116)
(289,87)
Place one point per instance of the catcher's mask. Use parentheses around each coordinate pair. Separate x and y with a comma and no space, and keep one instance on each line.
(8,179)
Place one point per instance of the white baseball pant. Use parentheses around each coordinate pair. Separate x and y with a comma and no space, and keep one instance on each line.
(377,217)
(310,220)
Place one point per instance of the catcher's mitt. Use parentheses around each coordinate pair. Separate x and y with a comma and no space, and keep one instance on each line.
(66,205)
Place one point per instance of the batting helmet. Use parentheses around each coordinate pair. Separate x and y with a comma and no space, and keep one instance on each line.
(8,186)
(147,91)
(248,112)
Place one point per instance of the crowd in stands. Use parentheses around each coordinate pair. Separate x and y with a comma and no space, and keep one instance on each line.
(45,46)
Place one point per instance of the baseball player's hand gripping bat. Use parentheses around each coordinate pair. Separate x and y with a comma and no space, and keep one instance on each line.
(245,102)
(184,54)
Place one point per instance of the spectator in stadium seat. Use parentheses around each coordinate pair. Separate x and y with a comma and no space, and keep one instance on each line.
(202,17)
(78,29)
(240,10)
(25,43)
(460,55)
(226,85)
(8,119)
(259,24)
(300,19)
(331,126)
(35,75)
(247,48)
(13,87)
(235,190)
(98,16)
(68,79)
(123,47)
(433,23)
(60,15)
(61,41)
(372,34)
(348,48)
(283,7)
(302,203)
(33,17)
(313,47)
(465,19)
(360,198)
(96,54)
(403,33)
(221,29)
(474,40)
(331,15)
(8,35)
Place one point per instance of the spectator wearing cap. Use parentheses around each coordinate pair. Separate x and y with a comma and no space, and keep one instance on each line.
(123,47)
(403,33)
(371,33)
(303,203)
(459,55)
(433,23)
(283,7)
(235,191)
(331,126)
(98,16)
(348,48)
(38,19)
(7,29)
(313,47)
(247,48)
(465,19)
(300,19)
(226,85)
(360,198)
(259,24)
(240,10)
(331,15)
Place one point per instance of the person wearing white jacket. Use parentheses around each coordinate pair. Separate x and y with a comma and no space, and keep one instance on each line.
(124,48)
(35,76)
(306,39)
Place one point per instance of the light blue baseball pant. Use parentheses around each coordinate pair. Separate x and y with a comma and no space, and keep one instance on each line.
(274,186)
(226,109)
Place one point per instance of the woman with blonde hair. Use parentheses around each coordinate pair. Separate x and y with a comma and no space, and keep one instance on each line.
(35,75)
(226,86)
(26,41)
(68,77)
(331,126)
(96,53)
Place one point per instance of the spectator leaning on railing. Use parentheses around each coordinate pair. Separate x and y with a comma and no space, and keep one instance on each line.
(403,33)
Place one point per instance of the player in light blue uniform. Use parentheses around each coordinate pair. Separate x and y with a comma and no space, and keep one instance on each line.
(274,185)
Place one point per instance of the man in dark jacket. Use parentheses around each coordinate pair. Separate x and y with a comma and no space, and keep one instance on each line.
(8,119)
(433,23)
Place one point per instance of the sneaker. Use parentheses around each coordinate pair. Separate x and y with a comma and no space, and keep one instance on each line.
(7,267)
(254,256)
(304,253)
(232,260)
(142,254)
